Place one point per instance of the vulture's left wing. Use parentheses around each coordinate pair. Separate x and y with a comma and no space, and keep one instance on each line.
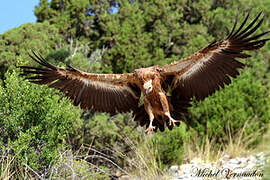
(102,92)
(207,70)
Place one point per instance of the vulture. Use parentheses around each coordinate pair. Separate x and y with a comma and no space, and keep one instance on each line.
(166,91)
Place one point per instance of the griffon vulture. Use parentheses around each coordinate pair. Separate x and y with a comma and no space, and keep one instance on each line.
(198,75)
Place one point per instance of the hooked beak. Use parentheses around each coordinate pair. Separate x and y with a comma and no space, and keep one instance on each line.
(148,86)
(147,91)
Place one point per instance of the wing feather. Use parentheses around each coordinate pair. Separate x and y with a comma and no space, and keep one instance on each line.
(101,92)
(207,70)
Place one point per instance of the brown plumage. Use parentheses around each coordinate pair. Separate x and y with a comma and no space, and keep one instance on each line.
(199,75)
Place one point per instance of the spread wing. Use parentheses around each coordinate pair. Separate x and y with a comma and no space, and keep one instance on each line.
(102,92)
(209,69)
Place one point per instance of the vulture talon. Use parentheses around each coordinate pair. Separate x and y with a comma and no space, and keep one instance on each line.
(173,121)
(149,129)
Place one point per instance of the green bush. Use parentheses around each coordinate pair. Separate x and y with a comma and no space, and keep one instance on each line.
(169,145)
(246,100)
(35,121)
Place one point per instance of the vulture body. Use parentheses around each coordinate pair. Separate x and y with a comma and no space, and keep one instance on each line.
(198,75)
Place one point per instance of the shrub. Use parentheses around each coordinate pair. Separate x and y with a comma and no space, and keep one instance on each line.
(169,144)
(107,135)
(228,110)
(35,121)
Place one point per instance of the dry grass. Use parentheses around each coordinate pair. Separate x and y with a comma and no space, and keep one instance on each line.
(6,163)
(141,163)
(238,145)
(11,168)
(144,163)
(264,146)
(69,166)
(205,152)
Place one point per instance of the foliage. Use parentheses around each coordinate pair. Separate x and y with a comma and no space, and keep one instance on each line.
(34,121)
(170,144)
(74,18)
(245,100)
(120,36)
(18,42)
(107,135)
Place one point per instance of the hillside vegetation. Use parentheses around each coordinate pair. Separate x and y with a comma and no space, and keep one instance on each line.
(42,135)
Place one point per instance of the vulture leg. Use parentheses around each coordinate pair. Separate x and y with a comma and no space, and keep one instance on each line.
(166,109)
(151,117)
(172,121)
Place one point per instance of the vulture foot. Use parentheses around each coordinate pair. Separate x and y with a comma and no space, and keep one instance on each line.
(173,121)
(150,129)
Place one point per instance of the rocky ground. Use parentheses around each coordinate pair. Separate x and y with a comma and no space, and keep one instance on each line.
(250,167)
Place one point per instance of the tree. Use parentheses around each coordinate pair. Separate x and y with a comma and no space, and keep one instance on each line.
(16,43)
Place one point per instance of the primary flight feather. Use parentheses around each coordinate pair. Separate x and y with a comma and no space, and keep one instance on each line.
(199,75)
